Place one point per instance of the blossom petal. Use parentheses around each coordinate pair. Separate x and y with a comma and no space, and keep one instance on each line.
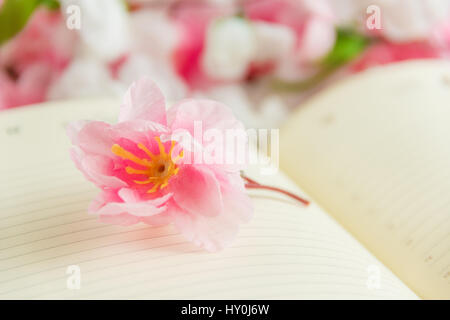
(94,137)
(210,114)
(136,130)
(197,191)
(136,208)
(144,101)
(216,232)
(235,198)
(141,209)
(132,196)
(74,128)
(229,139)
(101,199)
(96,168)
(211,233)
(124,219)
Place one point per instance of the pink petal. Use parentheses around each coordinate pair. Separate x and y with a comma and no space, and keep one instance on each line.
(138,208)
(138,130)
(143,101)
(132,196)
(197,191)
(210,233)
(144,126)
(96,168)
(142,209)
(101,199)
(74,128)
(216,232)
(210,113)
(94,137)
(126,219)
(235,198)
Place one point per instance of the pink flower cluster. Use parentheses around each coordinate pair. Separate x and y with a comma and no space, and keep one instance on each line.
(302,31)
(192,46)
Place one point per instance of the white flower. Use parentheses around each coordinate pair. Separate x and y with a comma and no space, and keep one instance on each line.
(85,77)
(104,28)
(153,33)
(154,37)
(138,65)
(230,46)
(274,41)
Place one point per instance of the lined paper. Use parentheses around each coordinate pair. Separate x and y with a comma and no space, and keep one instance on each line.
(287,251)
(381,166)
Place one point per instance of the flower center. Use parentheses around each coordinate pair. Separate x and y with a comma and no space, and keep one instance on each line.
(158,168)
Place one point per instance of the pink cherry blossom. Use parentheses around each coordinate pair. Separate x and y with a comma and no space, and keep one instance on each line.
(192,20)
(145,174)
(386,52)
(32,59)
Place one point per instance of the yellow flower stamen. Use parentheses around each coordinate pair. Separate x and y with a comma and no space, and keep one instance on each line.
(131,170)
(144,148)
(124,154)
(158,169)
(162,151)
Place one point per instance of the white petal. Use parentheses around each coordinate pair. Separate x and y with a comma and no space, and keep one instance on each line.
(229,48)
(274,41)
(85,78)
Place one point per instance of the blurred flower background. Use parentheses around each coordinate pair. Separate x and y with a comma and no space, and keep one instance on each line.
(261,57)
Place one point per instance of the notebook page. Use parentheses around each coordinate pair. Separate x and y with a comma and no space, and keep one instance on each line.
(375,151)
(287,251)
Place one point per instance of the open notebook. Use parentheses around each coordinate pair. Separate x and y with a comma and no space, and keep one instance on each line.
(373,153)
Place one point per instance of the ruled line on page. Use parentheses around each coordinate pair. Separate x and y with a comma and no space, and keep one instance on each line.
(234,257)
(34,251)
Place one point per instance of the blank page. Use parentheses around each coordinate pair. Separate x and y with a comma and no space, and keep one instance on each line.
(375,151)
(287,251)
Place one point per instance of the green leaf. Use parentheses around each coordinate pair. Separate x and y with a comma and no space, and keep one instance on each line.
(349,44)
(14,15)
